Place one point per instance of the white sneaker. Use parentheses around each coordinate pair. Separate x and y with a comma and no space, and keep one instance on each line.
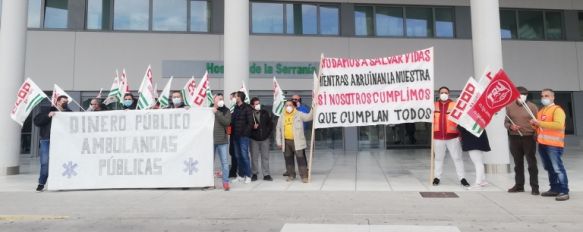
(239,179)
(247,180)
(483,183)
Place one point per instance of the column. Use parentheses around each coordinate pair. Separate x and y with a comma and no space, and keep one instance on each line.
(12,55)
(236,45)
(487,50)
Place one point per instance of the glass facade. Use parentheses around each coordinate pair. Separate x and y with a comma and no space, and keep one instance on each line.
(296,19)
(200,16)
(131,15)
(268,18)
(98,14)
(56,14)
(531,24)
(419,22)
(169,15)
(444,22)
(34,13)
(389,21)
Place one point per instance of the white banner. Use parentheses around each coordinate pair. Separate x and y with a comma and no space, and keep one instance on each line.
(132,149)
(387,90)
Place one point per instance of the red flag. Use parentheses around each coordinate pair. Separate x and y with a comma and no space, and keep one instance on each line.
(499,93)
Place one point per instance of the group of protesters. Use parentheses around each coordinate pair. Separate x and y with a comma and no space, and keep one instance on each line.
(243,130)
(547,129)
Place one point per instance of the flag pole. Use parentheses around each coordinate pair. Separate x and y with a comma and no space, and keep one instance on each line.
(314,108)
(520,133)
(529,112)
(432,169)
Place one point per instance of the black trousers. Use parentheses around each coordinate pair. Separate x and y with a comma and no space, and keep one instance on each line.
(523,147)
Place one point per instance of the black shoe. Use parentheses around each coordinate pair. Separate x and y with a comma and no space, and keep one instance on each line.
(535,192)
(285,174)
(40,187)
(233,174)
(516,189)
(267,178)
(464,182)
(549,194)
(562,197)
(435,181)
(254,177)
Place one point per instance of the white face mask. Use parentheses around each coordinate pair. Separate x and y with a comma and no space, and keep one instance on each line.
(522,98)
(176,101)
(546,101)
(258,107)
(289,109)
(221,103)
(443,96)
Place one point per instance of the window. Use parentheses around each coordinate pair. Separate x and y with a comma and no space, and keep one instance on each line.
(199,16)
(419,22)
(98,14)
(530,25)
(301,19)
(294,18)
(581,25)
(553,25)
(444,22)
(131,15)
(389,21)
(363,20)
(329,20)
(56,12)
(34,13)
(267,17)
(169,15)
(508,24)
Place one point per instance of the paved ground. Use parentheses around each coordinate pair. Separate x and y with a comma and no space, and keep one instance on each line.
(368,191)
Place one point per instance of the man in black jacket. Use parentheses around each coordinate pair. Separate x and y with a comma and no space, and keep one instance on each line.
(43,120)
(262,129)
(242,123)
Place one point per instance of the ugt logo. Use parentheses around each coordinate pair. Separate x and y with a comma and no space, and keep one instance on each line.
(498,94)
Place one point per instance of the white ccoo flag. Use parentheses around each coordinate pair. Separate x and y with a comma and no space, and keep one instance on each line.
(28,96)
(146,99)
(164,98)
(278,98)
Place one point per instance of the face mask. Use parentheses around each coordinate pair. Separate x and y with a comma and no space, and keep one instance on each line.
(289,109)
(443,96)
(64,105)
(522,98)
(545,101)
(128,103)
(176,101)
(258,107)
(221,103)
(90,108)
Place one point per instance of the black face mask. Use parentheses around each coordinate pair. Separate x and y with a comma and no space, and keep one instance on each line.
(64,105)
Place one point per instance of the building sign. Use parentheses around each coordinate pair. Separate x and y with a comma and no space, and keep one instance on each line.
(257,69)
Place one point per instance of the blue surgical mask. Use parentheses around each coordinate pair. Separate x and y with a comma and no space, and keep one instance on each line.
(128,103)
(546,101)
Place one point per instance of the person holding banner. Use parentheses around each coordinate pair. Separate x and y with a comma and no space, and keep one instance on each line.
(262,130)
(96,105)
(291,139)
(177,100)
(522,142)
(43,121)
(550,128)
(446,136)
(476,146)
(242,123)
(129,102)
(222,121)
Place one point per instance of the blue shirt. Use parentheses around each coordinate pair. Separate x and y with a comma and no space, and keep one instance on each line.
(304,109)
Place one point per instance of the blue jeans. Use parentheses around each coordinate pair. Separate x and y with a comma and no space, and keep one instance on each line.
(551,159)
(222,150)
(242,153)
(44,161)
